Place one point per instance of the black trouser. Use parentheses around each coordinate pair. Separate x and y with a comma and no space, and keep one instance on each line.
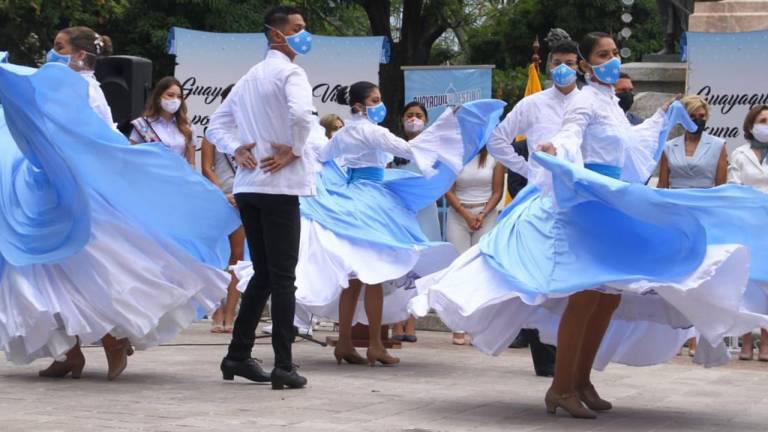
(272,228)
(543,355)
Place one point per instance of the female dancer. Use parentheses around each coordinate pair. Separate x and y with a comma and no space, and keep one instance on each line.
(93,240)
(165,120)
(79,48)
(361,227)
(583,242)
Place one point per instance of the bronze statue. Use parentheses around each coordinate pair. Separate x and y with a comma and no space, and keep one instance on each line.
(674,21)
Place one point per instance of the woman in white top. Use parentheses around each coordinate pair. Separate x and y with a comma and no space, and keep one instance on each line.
(220,169)
(473,199)
(750,167)
(79,48)
(165,120)
(413,121)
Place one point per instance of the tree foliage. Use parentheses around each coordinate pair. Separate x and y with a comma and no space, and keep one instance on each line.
(420,32)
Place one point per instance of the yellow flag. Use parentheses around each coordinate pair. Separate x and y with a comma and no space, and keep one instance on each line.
(533,86)
(534,83)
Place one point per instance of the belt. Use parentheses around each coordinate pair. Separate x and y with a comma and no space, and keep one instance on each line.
(471,206)
(606,170)
(375,174)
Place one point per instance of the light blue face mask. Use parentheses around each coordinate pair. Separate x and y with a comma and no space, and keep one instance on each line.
(563,75)
(608,72)
(54,57)
(376,113)
(299,43)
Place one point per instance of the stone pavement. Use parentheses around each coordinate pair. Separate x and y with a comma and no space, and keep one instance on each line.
(437,387)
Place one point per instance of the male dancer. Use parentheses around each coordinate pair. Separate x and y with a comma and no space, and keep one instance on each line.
(269,109)
(539,117)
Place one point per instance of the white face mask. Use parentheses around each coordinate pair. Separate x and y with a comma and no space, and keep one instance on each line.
(170,105)
(414,125)
(760,132)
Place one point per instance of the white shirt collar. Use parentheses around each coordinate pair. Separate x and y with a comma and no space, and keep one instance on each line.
(274,54)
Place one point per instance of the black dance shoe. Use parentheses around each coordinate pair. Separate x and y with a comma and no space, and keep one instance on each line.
(282,379)
(248,369)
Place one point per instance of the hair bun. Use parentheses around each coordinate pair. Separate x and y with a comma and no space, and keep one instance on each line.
(342,95)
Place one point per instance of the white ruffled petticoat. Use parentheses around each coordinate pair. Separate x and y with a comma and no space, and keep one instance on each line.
(124,282)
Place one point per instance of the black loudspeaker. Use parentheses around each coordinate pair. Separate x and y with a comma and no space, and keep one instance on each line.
(126,82)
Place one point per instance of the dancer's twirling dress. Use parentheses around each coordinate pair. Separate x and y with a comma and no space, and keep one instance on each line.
(96,236)
(362,223)
(680,258)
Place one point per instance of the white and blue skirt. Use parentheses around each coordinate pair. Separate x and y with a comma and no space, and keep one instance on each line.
(96,236)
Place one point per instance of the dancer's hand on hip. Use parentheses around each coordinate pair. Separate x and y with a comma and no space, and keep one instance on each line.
(244,157)
(282,157)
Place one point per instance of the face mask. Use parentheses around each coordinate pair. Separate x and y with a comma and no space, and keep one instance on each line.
(414,125)
(376,113)
(170,105)
(700,125)
(608,72)
(54,57)
(299,43)
(563,76)
(760,132)
(626,99)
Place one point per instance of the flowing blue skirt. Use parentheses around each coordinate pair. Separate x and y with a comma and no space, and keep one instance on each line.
(680,257)
(368,229)
(96,235)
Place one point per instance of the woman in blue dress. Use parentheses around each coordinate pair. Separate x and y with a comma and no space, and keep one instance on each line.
(605,267)
(361,230)
(98,243)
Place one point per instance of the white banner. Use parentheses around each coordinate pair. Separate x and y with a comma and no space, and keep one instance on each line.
(208,63)
(728,70)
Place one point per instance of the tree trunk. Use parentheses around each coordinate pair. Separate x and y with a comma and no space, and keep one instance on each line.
(418,33)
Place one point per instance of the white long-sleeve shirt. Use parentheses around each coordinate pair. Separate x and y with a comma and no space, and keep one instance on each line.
(538,117)
(596,130)
(360,144)
(96,98)
(271,104)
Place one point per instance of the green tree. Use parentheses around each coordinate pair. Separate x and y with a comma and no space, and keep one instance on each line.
(505,38)
(29,26)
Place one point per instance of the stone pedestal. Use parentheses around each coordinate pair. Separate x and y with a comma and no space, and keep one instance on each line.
(729,16)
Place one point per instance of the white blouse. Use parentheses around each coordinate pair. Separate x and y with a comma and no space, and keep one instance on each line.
(746,169)
(168,133)
(596,130)
(361,143)
(474,184)
(97,99)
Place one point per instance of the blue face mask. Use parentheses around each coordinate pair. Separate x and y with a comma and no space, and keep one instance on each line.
(563,76)
(54,57)
(299,43)
(608,72)
(376,113)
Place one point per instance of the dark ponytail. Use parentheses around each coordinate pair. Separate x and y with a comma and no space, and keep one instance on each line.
(588,42)
(357,93)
